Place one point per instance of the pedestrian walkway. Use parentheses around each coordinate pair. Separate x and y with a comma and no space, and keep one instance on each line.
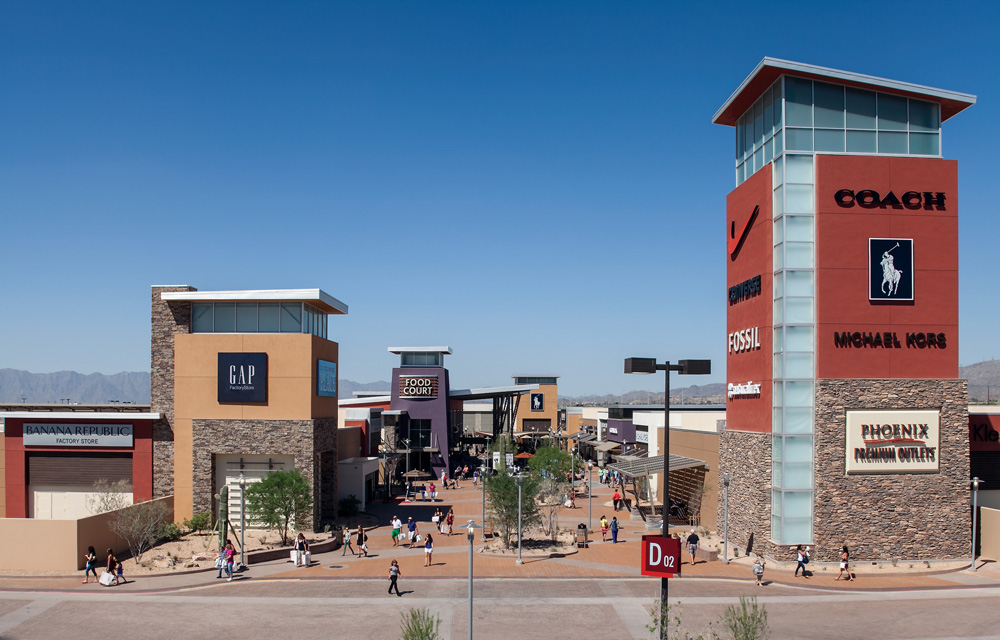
(450,557)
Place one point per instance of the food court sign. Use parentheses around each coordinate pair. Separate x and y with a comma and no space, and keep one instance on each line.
(893,441)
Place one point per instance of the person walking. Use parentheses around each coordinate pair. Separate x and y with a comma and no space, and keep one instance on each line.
(91,558)
(111,565)
(393,577)
(604,528)
(220,562)
(801,558)
(449,522)
(845,564)
(692,543)
(301,547)
(475,478)
(758,570)
(411,531)
(362,542)
(614,529)
(428,550)
(397,526)
(347,542)
(230,557)
(615,499)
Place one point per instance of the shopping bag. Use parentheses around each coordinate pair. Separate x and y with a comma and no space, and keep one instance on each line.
(418,538)
(436,519)
(106,579)
(295,556)
(308,558)
(218,562)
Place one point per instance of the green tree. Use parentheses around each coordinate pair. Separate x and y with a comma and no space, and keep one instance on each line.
(279,501)
(501,493)
(550,462)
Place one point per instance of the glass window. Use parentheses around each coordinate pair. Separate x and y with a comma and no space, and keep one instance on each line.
(778,233)
(799,139)
(798,420)
(420,433)
(799,198)
(925,144)
(768,151)
(829,140)
(860,109)
(768,114)
(797,503)
(800,283)
(758,124)
(739,139)
(799,310)
(799,338)
(777,204)
(861,142)
(829,100)
(777,303)
(799,227)
(799,169)
(795,531)
(798,394)
(748,136)
(246,317)
(777,368)
(776,93)
(797,475)
(798,102)
(797,449)
(891,142)
(798,255)
(776,528)
(776,422)
(758,160)
(778,178)
(202,318)
(798,365)
(891,113)
(924,116)
(778,394)
(291,317)
(225,317)
(267,317)
(779,260)
(778,142)
(778,334)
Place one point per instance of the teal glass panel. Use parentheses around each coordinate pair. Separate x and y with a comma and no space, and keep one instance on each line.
(758,124)
(778,395)
(776,94)
(778,203)
(776,528)
(246,317)
(225,317)
(740,127)
(829,101)
(798,420)
(798,365)
(799,310)
(799,198)
(924,116)
(798,449)
(925,144)
(202,318)
(778,177)
(829,140)
(778,142)
(891,142)
(860,109)
(797,475)
(778,335)
(798,102)
(777,237)
(799,228)
(777,366)
(799,338)
(267,317)
(768,151)
(799,169)
(799,139)
(768,114)
(776,500)
(861,142)
(795,531)
(891,113)
(777,310)
(291,317)
(798,394)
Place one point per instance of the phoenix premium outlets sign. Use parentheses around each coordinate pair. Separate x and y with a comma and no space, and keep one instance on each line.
(418,386)
(77,435)
(892,441)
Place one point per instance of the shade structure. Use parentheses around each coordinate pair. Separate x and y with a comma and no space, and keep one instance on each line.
(417,474)
(524,456)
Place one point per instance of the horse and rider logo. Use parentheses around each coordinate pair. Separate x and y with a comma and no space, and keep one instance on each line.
(890,269)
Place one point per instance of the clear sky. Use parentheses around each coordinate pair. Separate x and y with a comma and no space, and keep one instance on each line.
(536,184)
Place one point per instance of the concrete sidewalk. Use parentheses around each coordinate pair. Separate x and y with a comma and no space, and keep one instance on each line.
(450,558)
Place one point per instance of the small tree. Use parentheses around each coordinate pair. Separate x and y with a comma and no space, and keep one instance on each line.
(109,496)
(140,525)
(550,462)
(501,492)
(281,500)
(748,621)
(421,624)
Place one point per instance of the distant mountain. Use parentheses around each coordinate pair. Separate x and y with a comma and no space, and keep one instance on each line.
(97,388)
(62,386)
(984,380)
(714,393)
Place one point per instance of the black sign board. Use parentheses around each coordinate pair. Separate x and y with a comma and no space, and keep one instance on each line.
(890,269)
(538,402)
(242,377)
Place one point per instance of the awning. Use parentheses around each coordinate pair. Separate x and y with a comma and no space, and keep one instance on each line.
(587,437)
(643,466)
(607,446)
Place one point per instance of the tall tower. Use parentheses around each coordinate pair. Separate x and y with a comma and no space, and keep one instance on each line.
(846,420)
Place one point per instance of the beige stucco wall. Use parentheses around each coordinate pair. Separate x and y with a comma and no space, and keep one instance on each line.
(348,442)
(59,545)
(700,445)
(550,412)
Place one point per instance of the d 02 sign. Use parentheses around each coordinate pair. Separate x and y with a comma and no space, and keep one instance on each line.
(661,557)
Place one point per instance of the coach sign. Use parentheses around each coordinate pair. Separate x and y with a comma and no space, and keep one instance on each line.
(661,557)
(242,377)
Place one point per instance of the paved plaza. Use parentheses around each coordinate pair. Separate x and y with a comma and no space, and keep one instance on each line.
(594,592)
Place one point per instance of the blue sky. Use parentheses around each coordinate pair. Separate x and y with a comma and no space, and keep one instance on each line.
(538,184)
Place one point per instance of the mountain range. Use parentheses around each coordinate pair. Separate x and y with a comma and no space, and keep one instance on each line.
(17,386)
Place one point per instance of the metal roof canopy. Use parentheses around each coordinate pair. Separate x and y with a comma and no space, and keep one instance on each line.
(770,69)
(645,466)
(316,297)
(607,446)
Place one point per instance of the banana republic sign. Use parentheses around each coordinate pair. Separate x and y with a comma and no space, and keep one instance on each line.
(892,441)
(77,435)
(242,377)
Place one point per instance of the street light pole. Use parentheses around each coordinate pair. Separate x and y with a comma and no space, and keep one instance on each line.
(725,529)
(471,535)
(520,483)
(590,495)
(684,367)
(243,527)
(975,492)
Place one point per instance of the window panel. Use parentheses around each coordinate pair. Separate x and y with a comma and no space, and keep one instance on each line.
(202,318)
(225,317)
(777,367)
(797,475)
(740,132)
(246,317)
(778,203)
(799,169)
(799,338)
(776,528)
(768,151)
(778,176)
(924,116)
(776,94)
(798,420)
(776,311)
(860,109)
(925,144)
(799,228)
(799,310)
(779,282)
(798,394)
(829,100)
(795,531)
(800,283)
(891,142)
(829,140)
(798,102)
(799,198)
(291,317)
(776,501)
(778,394)
(798,365)
(778,142)
(267,317)
(768,121)
(861,142)
(758,125)
(891,113)
(798,255)
(799,139)
(776,420)
(779,259)
(798,449)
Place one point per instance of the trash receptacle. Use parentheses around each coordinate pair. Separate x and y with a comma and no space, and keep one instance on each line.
(581,535)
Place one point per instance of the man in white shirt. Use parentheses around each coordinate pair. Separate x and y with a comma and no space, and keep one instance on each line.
(397,526)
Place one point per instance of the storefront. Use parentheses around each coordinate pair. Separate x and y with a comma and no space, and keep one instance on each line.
(842,321)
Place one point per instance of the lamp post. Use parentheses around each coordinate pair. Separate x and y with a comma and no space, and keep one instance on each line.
(590,495)
(684,367)
(482,480)
(520,483)
(725,521)
(471,535)
(243,509)
(975,491)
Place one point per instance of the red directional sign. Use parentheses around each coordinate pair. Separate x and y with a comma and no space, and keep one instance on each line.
(661,557)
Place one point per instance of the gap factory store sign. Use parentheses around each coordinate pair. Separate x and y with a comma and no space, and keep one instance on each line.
(892,441)
(77,435)
(242,377)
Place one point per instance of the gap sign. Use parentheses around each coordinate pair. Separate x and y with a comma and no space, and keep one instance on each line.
(661,557)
